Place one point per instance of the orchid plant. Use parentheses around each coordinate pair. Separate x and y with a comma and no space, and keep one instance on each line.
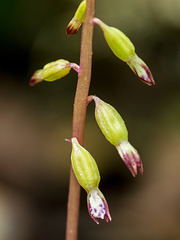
(84,171)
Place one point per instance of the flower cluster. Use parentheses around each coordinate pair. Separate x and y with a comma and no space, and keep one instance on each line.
(108,119)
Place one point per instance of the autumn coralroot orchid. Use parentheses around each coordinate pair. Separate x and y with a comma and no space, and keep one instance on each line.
(114,129)
(53,71)
(84,171)
(124,49)
(87,174)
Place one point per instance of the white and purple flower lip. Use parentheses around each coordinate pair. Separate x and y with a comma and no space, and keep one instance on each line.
(97,206)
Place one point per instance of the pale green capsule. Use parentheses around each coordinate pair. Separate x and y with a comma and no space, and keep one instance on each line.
(77,20)
(119,43)
(84,166)
(110,122)
(56,70)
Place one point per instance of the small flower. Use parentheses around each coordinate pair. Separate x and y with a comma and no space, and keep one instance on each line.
(114,129)
(97,206)
(124,49)
(130,157)
(87,174)
(53,71)
(77,20)
(36,77)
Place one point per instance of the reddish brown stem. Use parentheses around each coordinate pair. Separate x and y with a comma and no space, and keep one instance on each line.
(79,115)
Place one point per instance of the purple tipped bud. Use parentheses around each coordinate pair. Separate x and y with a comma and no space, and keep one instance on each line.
(140,68)
(97,206)
(73,26)
(36,78)
(130,157)
(77,20)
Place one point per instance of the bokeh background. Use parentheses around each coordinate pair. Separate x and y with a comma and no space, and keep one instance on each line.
(34,121)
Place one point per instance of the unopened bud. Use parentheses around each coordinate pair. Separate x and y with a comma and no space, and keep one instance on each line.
(124,49)
(36,77)
(56,70)
(84,166)
(77,20)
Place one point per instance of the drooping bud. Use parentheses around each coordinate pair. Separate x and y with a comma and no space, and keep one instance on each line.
(36,77)
(77,20)
(87,174)
(56,70)
(124,49)
(53,71)
(114,129)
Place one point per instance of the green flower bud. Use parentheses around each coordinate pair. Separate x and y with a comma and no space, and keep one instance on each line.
(84,166)
(124,49)
(110,122)
(115,131)
(56,70)
(77,20)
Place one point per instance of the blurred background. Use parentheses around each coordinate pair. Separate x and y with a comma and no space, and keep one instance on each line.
(34,121)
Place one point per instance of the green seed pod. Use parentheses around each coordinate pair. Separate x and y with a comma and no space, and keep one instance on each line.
(77,20)
(110,122)
(56,70)
(84,166)
(119,43)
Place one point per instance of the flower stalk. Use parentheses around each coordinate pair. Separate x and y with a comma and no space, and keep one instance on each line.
(79,115)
